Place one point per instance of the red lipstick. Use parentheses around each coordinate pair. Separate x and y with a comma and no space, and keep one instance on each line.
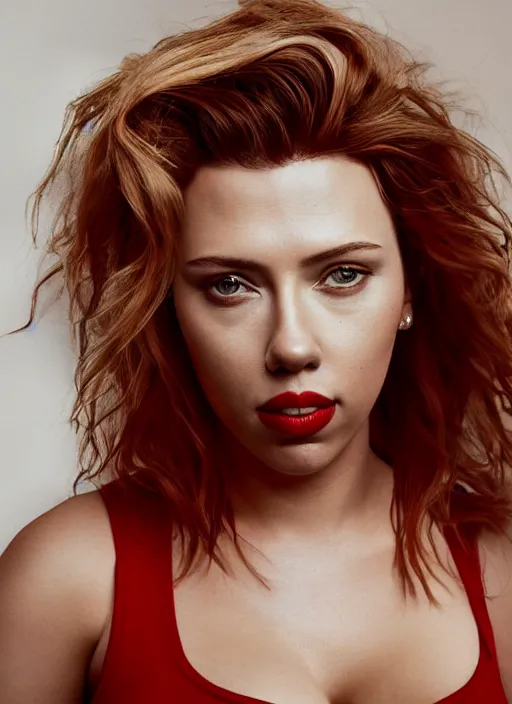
(319,412)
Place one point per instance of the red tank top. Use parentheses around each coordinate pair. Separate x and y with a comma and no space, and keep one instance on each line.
(145,662)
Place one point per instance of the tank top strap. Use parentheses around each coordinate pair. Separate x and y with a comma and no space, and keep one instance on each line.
(142,534)
(467,561)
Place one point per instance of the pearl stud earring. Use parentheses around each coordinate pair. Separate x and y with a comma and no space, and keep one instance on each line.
(405,323)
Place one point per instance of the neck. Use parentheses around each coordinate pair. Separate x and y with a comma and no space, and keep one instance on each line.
(351,495)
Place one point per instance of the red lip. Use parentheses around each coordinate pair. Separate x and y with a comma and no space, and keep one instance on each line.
(289,399)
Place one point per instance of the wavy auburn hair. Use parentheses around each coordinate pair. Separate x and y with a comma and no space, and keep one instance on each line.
(272,82)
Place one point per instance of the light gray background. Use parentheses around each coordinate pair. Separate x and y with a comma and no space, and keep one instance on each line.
(49,52)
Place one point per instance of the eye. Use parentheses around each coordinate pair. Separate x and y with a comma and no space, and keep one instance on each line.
(344,277)
(226,286)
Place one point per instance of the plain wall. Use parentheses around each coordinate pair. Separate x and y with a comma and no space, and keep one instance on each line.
(50,52)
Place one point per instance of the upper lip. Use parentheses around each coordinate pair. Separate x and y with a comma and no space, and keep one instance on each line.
(307,399)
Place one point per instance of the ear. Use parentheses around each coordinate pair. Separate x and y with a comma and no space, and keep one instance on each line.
(407,306)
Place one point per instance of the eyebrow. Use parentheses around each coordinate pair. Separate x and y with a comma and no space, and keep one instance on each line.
(237,263)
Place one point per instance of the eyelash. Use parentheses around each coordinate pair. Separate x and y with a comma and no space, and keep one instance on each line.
(218,297)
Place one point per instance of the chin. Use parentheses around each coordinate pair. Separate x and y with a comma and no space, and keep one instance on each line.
(299,459)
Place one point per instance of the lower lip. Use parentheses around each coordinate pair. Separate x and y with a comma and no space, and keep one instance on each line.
(298,426)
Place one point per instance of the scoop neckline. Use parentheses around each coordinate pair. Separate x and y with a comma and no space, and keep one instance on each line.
(229,695)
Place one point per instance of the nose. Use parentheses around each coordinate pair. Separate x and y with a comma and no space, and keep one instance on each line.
(292,346)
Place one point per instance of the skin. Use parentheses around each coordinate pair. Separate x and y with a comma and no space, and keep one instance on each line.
(280,325)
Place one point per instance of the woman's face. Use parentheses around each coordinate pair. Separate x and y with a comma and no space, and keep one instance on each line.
(290,279)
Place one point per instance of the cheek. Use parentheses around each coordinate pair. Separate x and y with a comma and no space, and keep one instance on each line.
(364,360)
(218,361)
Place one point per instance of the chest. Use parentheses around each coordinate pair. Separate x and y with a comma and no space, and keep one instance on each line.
(329,634)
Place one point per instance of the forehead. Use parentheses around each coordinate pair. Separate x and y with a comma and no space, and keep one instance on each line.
(321,202)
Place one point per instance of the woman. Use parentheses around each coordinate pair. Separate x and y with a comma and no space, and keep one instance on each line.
(289,279)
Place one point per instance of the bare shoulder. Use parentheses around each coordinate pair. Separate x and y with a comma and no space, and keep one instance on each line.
(496,560)
(72,538)
(56,579)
